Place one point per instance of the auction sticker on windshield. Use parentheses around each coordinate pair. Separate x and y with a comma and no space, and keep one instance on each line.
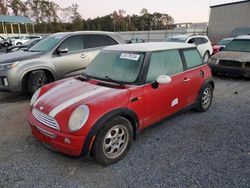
(130,56)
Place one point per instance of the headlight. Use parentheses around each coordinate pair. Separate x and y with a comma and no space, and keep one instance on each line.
(78,118)
(8,65)
(214,60)
(34,97)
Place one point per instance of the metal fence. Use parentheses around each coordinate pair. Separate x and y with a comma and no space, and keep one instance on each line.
(160,35)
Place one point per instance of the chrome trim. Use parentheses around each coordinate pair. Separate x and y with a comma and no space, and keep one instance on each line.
(45,119)
(49,134)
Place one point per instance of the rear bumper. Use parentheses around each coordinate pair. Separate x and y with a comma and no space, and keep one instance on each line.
(56,140)
(234,71)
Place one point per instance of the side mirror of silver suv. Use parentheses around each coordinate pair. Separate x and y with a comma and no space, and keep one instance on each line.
(62,50)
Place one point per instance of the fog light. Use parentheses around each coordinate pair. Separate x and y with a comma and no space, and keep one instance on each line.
(5,81)
(67,141)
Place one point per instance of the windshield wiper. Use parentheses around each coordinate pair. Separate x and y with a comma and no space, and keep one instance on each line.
(115,81)
(83,77)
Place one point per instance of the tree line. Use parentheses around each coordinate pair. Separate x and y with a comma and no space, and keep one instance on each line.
(49,17)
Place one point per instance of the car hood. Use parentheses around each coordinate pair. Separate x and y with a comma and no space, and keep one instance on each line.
(72,93)
(231,55)
(19,56)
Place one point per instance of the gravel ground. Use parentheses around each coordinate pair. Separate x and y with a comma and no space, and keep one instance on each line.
(209,149)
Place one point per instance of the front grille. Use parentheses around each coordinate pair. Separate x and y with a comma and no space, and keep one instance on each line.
(247,64)
(230,63)
(45,119)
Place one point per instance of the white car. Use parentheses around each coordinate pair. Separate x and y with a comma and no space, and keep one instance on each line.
(202,43)
(24,39)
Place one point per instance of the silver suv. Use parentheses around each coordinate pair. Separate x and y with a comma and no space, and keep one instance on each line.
(58,56)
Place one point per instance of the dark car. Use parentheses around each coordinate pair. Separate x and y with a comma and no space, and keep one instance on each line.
(25,46)
(234,59)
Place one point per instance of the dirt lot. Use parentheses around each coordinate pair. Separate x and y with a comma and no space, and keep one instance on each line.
(209,149)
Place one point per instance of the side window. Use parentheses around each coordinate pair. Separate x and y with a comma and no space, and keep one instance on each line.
(197,41)
(73,43)
(164,62)
(204,40)
(193,58)
(95,41)
(191,41)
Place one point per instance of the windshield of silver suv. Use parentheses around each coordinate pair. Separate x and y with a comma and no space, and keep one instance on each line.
(46,44)
(239,45)
(116,66)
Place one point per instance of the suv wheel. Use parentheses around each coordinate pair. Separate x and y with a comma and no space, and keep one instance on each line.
(19,43)
(36,80)
(113,141)
(206,57)
(205,98)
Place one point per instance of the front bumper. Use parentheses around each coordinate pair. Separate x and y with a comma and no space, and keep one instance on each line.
(57,140)
(234,71)
(9,80)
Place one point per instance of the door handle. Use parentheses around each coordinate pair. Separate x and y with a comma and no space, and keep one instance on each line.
(83,55)
(186,79)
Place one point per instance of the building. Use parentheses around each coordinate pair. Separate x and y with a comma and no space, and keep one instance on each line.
(225,18)
(15,24)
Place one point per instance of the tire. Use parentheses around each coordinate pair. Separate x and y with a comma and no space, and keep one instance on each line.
(206,57)
(113,141)
(19,43)
(205,98)
(36,80)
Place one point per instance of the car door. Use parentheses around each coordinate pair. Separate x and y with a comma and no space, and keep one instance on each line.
(200,46)
(166,99)
(93,43)
(194,73)
(69,58)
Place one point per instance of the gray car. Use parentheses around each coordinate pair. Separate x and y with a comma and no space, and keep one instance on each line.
(58,56)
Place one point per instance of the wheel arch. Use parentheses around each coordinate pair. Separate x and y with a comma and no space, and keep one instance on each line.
(26,74)
(123,112)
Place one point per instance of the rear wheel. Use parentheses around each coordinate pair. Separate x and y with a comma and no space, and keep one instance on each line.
(113,141)
(205,98)
(206,57)
(36,80)
(19,43)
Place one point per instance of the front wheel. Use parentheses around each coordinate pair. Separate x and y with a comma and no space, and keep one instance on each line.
(206,57)
(205,98)
(36,80)
(113,141)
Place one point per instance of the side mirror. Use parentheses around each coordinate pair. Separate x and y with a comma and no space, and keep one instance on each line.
(62,50)
(162,79)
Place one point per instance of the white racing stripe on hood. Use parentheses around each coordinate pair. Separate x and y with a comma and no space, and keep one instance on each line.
(52,90)
(74,100)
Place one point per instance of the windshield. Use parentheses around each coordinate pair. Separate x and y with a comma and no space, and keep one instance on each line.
(175,39)
(224,42)
(118,66)
(46,44)
(239,45)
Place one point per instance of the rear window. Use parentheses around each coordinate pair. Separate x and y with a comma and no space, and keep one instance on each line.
(95,41)
(238,45)
(192,58)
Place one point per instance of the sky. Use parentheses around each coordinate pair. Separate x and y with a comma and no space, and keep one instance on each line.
(180,10)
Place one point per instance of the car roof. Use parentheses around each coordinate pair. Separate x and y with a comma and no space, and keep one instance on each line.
(243,37)
(187,36)
(150,46)
(83,32)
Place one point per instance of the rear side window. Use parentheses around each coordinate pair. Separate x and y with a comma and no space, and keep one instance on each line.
(197,41)
(204,40)
(164,63)
(192,58)
(95,41)
(73,43)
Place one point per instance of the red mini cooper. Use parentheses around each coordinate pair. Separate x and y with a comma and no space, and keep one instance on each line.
(125,89)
